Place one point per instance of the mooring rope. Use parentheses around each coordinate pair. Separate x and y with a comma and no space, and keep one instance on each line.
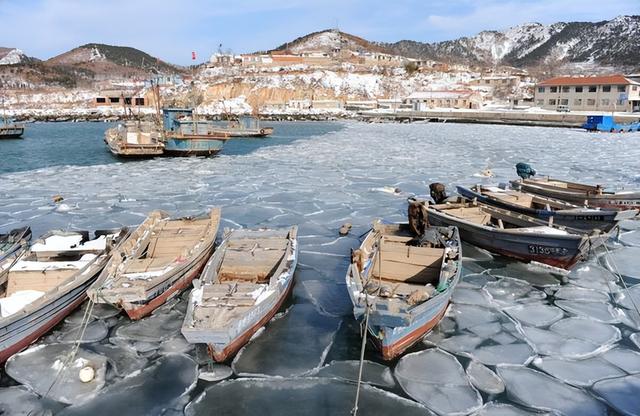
(354,411)
(76,346)
(619,277)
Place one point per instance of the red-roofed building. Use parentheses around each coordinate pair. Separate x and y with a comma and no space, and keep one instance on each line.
(597,93)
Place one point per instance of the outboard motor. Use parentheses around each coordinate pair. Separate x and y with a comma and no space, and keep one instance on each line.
(438,192)
(524,170)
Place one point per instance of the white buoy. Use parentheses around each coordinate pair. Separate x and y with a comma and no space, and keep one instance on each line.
(87,374)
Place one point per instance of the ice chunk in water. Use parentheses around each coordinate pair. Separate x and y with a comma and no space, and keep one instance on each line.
(372,373)
(587,330)
(504,409)
(635,338)
(539,391)
(461,344)
(621,393)
(592,276)
(215,372)
(330,298)
(535,314)
(531,273)
(313,396)
(556,345)
(484,379)
(437,380)
(486,330)
(39,367)
(629,298)
(467,316)
(475,280)
(154,328)
(94,332)
(504,354)
(470,296)
(507,291)
(150,392)
(579,293)
(18,401)
(627,360)
(579,373)
(624,261)
(124,361)
(601,312)
(282,339)
(175,345)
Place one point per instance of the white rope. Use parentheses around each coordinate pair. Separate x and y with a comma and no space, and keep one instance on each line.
(76,346)
(354,411)
(619,277)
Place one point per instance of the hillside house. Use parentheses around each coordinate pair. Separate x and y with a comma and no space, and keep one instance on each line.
(595,93)
(119,98)
(426,100)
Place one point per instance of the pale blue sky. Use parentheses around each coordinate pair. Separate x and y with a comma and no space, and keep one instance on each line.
(171,30)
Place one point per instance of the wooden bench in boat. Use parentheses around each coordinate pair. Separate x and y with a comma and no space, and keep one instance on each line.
(225,302)
(402,263)
(516,198)
(475,215)
(251,260)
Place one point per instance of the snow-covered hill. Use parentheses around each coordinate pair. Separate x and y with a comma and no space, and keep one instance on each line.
(612,42)
(12,56)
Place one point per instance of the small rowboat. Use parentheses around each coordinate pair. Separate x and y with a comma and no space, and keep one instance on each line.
(545,208)
(12,245)
(48,282)
(157,261)
(242,287)
(579,194)
(405,288)
(135,139)
(516,235)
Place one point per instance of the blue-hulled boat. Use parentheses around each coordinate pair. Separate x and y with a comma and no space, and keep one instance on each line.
(607,124)
(548,209)
(404,281)
(185,135)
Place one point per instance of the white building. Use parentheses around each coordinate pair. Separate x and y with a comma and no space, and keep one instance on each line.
(426,100)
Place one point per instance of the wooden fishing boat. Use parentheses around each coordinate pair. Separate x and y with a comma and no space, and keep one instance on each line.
(157,261)
(135,139)
(12,245)
(242,287)
(403,282)
(545,208)
(49,281)
(11,131)
(245,127)
(184,135)
(516,235)
(579,194)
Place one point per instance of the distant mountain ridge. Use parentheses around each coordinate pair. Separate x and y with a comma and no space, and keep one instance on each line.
(610,42)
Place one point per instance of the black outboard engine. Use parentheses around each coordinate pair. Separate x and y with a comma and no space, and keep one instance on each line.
(524,170)
(438,192)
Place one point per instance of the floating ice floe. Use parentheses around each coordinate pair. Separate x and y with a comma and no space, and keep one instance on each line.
(508,291)
(467,316)
(504,409)
(484,379)
(48,370)
(547,342)
(175,345)
(149,392)
(535,314)
(18,401)
(519,353)
(621,393)
(313,396)
(282,338)
(581,373)
(330,298)
(475,280)
(542,392)
(533,274)
(592,276)
(124,361)
(215,372)
(624,261)
(627,360)
(372,373)
(469,296)
(631,238)
(598,311)
(437,380)
(154,328)
(587,330)
(629,299)
(93,332)
(580,293)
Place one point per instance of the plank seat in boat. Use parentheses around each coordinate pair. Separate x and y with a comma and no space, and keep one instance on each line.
(224,302)
(472,214)
(400,262)
(252,260)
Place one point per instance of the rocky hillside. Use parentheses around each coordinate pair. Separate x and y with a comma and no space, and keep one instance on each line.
(328,41)
(614,42)
(12,56)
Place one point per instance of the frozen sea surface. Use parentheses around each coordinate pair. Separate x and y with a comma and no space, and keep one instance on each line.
(551,342)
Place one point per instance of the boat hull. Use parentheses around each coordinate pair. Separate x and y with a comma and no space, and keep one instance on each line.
(579,218)
(556,251)
(222,353)
(138,311)
(193,146)
(619,201)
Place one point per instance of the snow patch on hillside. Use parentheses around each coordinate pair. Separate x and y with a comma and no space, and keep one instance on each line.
(14,56)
